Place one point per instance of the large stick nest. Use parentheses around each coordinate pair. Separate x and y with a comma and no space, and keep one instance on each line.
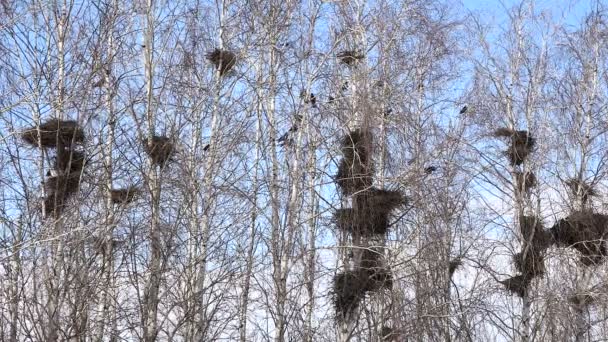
(123,196)
(160,149)
(517,284)
(53,133)
(374,271)
(525,181)
(533,233)
(350,57)
(349,290)
(58,189)
(530,266)
(522,144)
(585,231)
(69,161)
(223,60)
(355,171)
(581,188)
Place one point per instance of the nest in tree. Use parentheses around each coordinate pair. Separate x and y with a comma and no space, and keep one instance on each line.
(349,290)
(68,161)
(372,268)
(584,231)
(531,266)
(350,57)
(53,133)
(453,266)
(362,223)
(59,189)
(353,176)
(522,144)
(160,149)
(517,284)
(533,233)
(379,200)
(223,60)
(581,188)
(120,196)
(525,181)
(53,206)
(581,299)
(357,145)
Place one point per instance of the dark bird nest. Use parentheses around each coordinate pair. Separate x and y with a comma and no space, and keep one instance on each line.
(350,57)
(357,145)
(53,133)
(374,199)
(371,212)
(584,231)
(581,188)
(533,233)
(349,290)
(525,181)
(123,196)
(531,266)
(362,223)
(223,60)
(69,161)
(581,299)
(58,189)
(353,176)
(160,149)
(453,266)
(374,270)
(517,284)
(522,144)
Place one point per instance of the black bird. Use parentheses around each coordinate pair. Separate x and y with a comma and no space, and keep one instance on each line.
(388,111)
(285,139)
(206,148)
(331,99)
(464,110)
(308,98)
(345,86)
(430,169)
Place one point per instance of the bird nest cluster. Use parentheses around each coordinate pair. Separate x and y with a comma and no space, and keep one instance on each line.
(584,231)
(350,57)
(160,149)
(223,60)
(66,138)
(350,287)
(521,144)
(369,216)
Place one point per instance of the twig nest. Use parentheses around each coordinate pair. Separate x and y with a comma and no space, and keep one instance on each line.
(223,60)
(350,57)
(525,181)
(123,196)
(531,266)
(160,149)
(581,188)
(53,133)
(584,231)
(349,290)
(68,161)
(517,284)
(522,144)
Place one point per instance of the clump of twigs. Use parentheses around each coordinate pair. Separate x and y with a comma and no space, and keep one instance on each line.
(517,284)
(584,231)
(362,223)
(123,196)
(533,233)
(349,290)
(581,188)
(160,149)
(374,199)
(350,57)
(522,144)
(223,60)
(582,299)
(53,133)
(453,266)
(355,169)
(58,189)
(374,271)
(68,161)
(530,266)
(525,181)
